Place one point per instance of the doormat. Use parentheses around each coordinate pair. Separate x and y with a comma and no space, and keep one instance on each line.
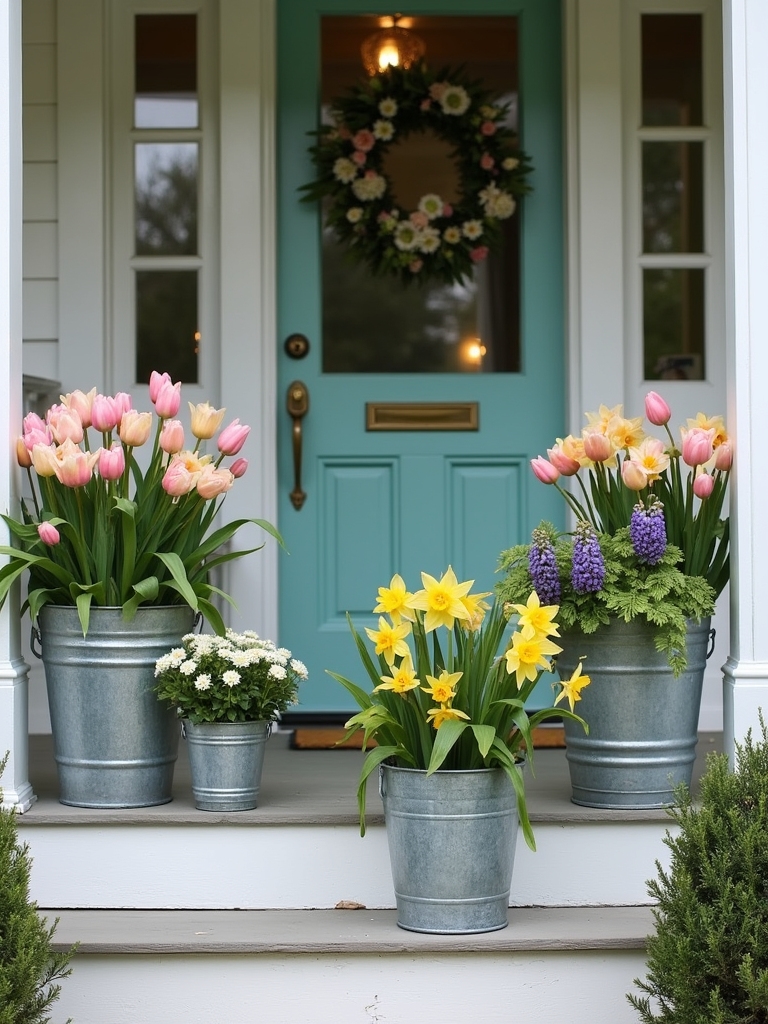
(317,738)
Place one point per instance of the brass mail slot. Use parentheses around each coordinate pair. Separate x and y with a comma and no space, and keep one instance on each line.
(421,416)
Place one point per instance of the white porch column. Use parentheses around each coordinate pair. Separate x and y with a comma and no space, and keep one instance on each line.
(745,74)
(13,671)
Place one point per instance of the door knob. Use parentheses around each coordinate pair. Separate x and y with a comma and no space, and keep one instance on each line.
(297,404)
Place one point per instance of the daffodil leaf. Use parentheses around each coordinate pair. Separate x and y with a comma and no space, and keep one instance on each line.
(515,775)
(373,760)
(361,697)
(485,735)
(447,737)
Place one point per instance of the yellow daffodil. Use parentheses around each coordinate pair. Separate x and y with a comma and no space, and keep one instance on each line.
(573,448)
(402,679)
(444,714)
(441,600)
(625,433)
(526,657)
(716,423)
(651,456)
(477,608)
(390,640)
(536,619)
(393,600)
(443,690)
(571,687)
(599,420)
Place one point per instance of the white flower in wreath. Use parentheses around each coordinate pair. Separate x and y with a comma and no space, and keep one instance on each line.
(430,240)
(510,163)
(472,229)
(455,100)
(452,235)
(383,130)
(407,236)
(488,194)
(344,170)
(354,213)
(431,204)
(388,107)
(489,112)
(372,186)
(501,206)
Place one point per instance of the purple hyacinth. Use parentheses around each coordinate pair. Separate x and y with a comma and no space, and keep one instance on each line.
(542,566)
(648,532)
(588,565)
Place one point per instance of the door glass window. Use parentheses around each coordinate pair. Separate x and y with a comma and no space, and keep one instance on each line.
(375,324)
(166,71)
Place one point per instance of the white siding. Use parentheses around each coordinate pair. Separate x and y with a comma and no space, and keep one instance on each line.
(40,246)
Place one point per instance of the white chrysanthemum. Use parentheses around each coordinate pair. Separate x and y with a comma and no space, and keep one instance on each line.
(501,206)
(231,678)
(429,240)
(225,652)
(250,634)
(488,194)
(177,655)
(283,652)
(299,668)
(203,682)
(241,658)
(509,163)
(277,672)
(472,229)
(354,213)
(188,668)
(388,107)
(383,130)
(163,664)
(432,205)
(368,188)
(455,100)
(344,170)
(452,235)
(406,236)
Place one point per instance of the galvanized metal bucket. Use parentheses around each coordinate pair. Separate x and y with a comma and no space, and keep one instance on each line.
(115,744)
(452,838)
(226,759)
(642,721)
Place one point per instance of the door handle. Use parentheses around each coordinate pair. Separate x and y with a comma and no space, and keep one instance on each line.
(297,404)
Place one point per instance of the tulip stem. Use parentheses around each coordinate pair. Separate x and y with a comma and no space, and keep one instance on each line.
(34,493)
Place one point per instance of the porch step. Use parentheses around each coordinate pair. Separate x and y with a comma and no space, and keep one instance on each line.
(301,848)
(345,966)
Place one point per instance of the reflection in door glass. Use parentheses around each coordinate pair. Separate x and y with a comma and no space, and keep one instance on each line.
(166,198)
(374,324)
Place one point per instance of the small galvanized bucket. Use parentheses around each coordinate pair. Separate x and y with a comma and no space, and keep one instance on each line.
(452,838)
(115,744)
(642,721)
(226,760)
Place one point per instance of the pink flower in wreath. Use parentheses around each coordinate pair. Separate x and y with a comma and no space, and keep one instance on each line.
(364,140)
(344,132)
(488,128)
(415,266)
(437,89)
(447,210)
(487,162)
(478,254)
(419,219)
(359,157)
(425,104)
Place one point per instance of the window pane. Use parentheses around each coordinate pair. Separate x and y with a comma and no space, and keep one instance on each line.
(673,324)
(374,324)
(672,69)
(166,71)
(166,198)
(167,334)
(673,197)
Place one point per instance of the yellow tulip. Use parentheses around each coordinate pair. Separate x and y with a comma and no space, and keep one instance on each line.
(205,419)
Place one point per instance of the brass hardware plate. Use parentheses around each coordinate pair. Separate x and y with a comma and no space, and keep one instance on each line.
(422,416)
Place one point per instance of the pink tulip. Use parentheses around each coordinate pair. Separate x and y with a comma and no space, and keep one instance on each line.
(35,436)
(43,459)
(213,482)
(124,404)
(172,437)
(168,400)
(111,462)
(238,468)
(65,424)
(232,438)
(634,476)
(32,422)
(48,534)
(656,409)
(156,381)
(563,463)
(697,446)
(597,446)
(178,479)
(703,485)
(135,427)
(543,470)
(105,414)
(80,403)
(23,457)
(74,467)
(724,456)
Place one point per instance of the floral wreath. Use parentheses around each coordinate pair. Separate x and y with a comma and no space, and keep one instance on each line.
(438,240)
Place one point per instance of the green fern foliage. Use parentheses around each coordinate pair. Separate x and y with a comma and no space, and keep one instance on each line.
(708,961)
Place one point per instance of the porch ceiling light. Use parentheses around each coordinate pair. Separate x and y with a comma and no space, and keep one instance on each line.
(393,45)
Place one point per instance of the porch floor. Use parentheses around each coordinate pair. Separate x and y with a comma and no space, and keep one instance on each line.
(311,787)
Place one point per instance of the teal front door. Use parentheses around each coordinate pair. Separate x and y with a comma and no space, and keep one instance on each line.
(381,501)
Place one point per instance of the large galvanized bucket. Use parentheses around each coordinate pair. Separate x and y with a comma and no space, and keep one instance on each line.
(226,760)
(642,721)
(452,838)
(115,744)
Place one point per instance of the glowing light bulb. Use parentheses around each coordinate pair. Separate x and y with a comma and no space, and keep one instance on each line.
(389,55)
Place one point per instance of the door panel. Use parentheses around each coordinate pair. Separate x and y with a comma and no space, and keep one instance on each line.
(380,502)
